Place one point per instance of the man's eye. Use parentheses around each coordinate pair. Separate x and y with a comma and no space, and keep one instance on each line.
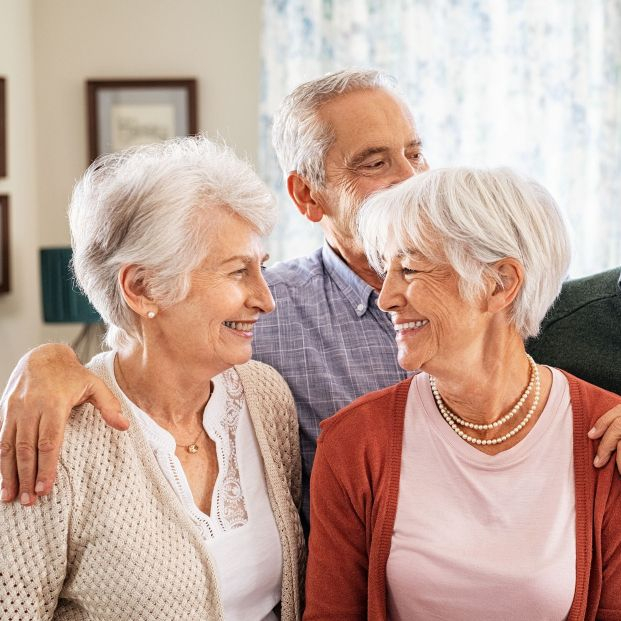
(373,165)
(408,272)
(416,157)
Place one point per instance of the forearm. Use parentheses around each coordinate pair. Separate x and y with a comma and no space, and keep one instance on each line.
(33,365)
(36,361)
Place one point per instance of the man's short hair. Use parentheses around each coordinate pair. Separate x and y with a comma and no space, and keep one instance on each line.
(300,138)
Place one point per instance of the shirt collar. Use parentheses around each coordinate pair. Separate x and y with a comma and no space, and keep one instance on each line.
(357,291)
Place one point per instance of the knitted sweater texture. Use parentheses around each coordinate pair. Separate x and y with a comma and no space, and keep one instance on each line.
(112,541)
(354,495)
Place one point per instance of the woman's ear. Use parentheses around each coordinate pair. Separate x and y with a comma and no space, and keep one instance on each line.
(304,197)
(131,282)
(505,289)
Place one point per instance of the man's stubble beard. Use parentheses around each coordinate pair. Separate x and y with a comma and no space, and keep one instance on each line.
(346,222)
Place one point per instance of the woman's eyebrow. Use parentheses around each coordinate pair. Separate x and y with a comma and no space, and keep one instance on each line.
(244,258)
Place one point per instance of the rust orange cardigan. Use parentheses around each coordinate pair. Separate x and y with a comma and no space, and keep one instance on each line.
(354,489)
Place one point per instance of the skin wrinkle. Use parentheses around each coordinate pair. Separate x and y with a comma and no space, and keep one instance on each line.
(375,99)
(394,148)
(415,148)
(219,291)
(188,343)
(463,340)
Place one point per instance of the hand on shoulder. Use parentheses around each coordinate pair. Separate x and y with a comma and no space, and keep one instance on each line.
(47,383)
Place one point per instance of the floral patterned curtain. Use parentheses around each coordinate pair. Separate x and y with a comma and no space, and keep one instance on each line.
(524,83)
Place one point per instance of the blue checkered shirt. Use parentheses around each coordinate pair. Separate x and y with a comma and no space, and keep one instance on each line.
(328,339)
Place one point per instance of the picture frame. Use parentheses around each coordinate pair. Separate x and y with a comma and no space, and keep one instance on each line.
(3,129)
(4,245)
(125,113)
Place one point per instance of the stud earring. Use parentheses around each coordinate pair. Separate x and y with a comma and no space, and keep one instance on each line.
(151,314)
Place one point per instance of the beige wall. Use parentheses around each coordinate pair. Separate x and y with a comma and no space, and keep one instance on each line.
(52,47)
(20,325)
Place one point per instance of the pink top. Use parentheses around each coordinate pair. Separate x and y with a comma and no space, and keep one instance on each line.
(480,537)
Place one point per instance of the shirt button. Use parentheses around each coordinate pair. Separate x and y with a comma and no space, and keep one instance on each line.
(360,308)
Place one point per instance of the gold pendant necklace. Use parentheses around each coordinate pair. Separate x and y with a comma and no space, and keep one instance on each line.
(192,448)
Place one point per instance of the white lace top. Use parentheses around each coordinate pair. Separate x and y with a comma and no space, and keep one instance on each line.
(241,533)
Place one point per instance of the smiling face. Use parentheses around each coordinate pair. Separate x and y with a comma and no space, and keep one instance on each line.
(437,330)
(212,327)
(375,146)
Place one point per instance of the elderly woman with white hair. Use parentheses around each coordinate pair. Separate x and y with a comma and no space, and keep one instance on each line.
(191,514)
(466,492)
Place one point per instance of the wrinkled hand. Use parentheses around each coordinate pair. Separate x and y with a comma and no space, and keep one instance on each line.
(608,428)
(43,388)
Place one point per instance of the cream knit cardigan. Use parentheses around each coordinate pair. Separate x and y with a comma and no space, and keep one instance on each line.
(112,541)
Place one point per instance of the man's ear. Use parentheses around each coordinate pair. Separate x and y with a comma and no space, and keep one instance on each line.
(502,294)
(304,197)
(131,282)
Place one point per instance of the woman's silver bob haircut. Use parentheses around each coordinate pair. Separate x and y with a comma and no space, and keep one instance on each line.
(470,219)
(151,206)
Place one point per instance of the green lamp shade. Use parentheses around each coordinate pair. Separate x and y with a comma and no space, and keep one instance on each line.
(63,302)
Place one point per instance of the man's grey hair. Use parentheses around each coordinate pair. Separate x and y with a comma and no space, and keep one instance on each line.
(151,206)
(470,219)
(300,138)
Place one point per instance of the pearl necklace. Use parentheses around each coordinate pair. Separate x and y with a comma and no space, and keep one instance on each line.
(453,420)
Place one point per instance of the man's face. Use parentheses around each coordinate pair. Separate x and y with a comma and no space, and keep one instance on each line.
(376,145)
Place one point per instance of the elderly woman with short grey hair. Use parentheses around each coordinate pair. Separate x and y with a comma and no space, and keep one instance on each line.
(466,492)
(191,513)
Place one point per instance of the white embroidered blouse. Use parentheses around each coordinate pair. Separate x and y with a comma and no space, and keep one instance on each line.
(241,533)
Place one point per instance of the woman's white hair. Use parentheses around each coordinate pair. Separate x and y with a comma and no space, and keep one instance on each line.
(151,206)
(300,138)
(470,219)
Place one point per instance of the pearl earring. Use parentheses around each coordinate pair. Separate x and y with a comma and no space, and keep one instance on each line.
(151,314)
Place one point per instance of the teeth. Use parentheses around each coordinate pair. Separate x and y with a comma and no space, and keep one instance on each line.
(239,325)
(411,324)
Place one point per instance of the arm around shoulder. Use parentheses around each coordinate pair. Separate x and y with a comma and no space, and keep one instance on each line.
(46,384)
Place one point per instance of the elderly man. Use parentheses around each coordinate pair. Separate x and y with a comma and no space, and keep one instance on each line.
(338,139)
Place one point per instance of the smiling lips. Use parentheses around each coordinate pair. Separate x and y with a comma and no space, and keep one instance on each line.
(240,326)
(410,325)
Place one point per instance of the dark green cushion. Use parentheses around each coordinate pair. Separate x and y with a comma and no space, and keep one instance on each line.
(63,302)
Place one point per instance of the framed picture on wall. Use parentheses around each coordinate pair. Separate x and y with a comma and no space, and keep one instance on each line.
(3,124)
(126,113)
(4,244)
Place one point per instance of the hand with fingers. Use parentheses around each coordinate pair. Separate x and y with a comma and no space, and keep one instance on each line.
(608,430)
(42,390)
